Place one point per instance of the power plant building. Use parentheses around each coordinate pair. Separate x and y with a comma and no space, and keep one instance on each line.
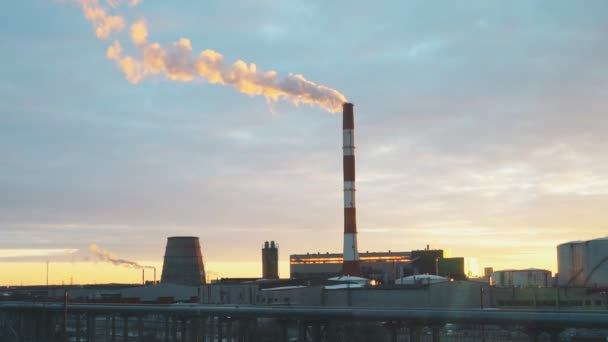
(382,266)
(426,261)
(453,268)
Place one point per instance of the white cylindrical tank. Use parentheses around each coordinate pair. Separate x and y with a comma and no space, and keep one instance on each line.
(596,263)
(531,277)
(570,264)
(421,279)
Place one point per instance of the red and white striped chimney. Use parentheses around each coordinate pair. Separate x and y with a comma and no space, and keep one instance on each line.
(351,264)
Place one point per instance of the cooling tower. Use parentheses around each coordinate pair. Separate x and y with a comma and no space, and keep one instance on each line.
(350,264)
(183,262)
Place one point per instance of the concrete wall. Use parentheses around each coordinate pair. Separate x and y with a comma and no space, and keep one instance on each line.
(297,296)
(458,294)
(229,293)
(549,298)
(150,293)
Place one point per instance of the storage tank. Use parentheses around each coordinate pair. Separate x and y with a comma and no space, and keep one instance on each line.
(532,277)
(423,279)
(596,263)
(570,264)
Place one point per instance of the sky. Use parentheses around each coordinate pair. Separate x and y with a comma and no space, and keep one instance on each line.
(480,129)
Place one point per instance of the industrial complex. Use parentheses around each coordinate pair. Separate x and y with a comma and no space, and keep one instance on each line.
(238,308)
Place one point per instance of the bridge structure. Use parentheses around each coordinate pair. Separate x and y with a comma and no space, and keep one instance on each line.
(54,322)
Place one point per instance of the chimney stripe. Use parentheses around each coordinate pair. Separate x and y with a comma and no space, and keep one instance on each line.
(348,121)
(350,220)
(349,168)
(350,247)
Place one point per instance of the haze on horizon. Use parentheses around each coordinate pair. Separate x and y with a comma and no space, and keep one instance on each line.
(481,129)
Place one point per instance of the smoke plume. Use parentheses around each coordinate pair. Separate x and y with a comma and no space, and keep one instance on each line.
(105,255)
(177,62)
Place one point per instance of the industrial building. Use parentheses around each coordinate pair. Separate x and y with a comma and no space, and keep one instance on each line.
(453,268)
(426,260)
(583,263)
(270,260)
(459,268)
(384,267)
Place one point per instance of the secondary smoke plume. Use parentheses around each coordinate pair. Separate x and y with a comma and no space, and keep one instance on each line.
(177,62)
(105,255)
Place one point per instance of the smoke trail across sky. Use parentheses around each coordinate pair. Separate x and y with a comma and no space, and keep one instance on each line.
(108,256)
(177,62)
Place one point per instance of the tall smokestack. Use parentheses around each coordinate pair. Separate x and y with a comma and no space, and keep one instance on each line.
(351,264)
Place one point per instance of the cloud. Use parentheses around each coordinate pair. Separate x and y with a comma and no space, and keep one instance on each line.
(10,253)
(424,49)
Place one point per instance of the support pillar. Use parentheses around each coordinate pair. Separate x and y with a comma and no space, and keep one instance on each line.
(229,330)
(533,333)
(167,330)
(437,332)
(37,321)
(316,331)
(113,333)
(283,330)
(220,333)
(78,327)
(21,337)
(203,327)
(140,328)
(211,329)
(183,330)
(555,333)
(253,329)
(174,328)
(194,324)
(107,328)
(302,326)
(91,328)
(392,328)
(44,326)
(125,328)
(415,331)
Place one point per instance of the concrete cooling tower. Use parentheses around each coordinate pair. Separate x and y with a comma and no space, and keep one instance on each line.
(183,263)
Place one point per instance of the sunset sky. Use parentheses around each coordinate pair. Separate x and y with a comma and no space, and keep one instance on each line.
(480,129)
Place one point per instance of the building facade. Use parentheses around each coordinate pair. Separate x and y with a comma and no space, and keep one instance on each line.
(383,267)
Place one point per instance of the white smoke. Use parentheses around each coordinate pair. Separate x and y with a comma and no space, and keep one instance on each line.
(177,62)
(105,255)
